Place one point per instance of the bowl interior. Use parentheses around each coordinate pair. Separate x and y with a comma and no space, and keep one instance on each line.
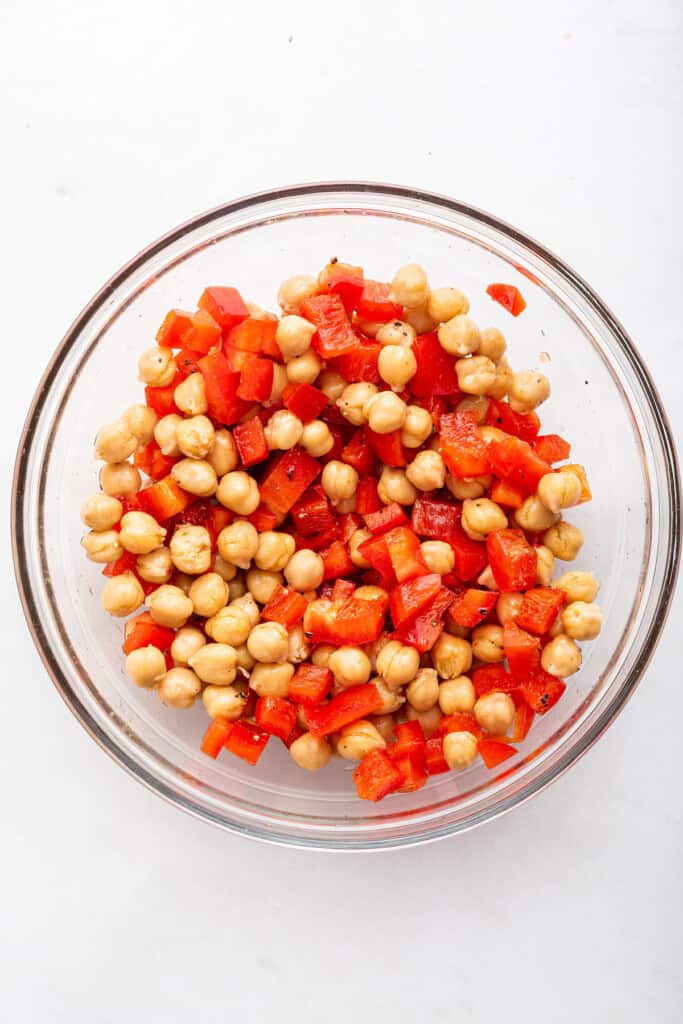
(598,402)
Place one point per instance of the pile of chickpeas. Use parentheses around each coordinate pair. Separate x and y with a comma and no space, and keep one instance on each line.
(212,595)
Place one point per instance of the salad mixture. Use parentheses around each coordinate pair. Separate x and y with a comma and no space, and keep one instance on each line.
(339,527)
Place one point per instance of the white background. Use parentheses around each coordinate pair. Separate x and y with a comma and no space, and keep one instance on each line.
(121,120)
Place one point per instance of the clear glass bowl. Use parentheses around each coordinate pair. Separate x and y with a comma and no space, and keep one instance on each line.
(603,400)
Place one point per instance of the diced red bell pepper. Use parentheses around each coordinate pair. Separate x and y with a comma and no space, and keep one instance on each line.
(247,741)
(375,551)
(375,304)
(143,631)
(215,736)
(164,499)
(310,684)
(360,455)
(436,406)
(542,691)
(205,513)
(512,559)
(423,632)
(434,518)
(540,607)
(250,441)
(127,562)
(492,677)
(361,363)
(357,621)
(335,452)
(409,599)
(348,706)
(345,281)
(494,752)
(285,606)
(460,721)
(463,448)
(203,332)
(517,463)
(413,769)
(312,516)
(276,715)
(376,776)
(221,384)
(435,374)
(256,336)
(410,739)
(173,326)
(404,552)
(386,518)
(435,762)
(471,556)
(334,334)
(263,519)
(505,493)
(225,305)
(508,296)
(336,561)
(522,722)
(286,479)
(522,651)
(187,362)
(218,518)
(552,448)
(152,461)
(367,498)
(342,590)
(524,425)
(304,401)
(161,400)
(387,447)
(472,606)
(349,522)
(256,379)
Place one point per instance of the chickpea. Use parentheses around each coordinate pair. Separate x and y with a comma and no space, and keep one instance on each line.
(456,694)
(223,453)
(224,569)
(146,666)
(248,605)
(481,516)
(472,487)
(155,566)
(332,384)
(358,739)
(492,435)
(317,439)
(102,546)
(293,335)
(417,427)
(215,663)
(100,512)
(196,476)
(303,369)
(262,583)
(170,606)
(561,656)
(283,430)
(120,478)
(438,555)
(559,490)
(190,395)
(224,701)
(238,543)
(140,421)
(356,539)
(115,442)
(495,712)
(394,485)
(460,336)
(476,375)
(310,752)
(397,365)
(391,699)
(385,412)
(350,666)
(396,332)
(492,343)
(179,688)
(384,724)
(564,540)
(183,581)
(305,570)
(528,389)
(446,303)
(166,434)
(423,692)
(195,437)
(487,644)
(298,646)
(545,565)
(271,680)
(245,662)
(397,664)
(578,586)
(191,549)
(503,381)
(419,319)
(186,643)
(534,516)
(459,749)
(429,720)
(238,492)
(353,399)
(451,656)
(409,286)
(487,579)
(141,533)
(229,625)
(508,607)
(156,367)
(237,585)
(280,382)
(294,290)
(427,471)
(478,404)
(268,642)
(581,620)
(122,595)
(273,550)
(322,654)
(339,481)
(208,593)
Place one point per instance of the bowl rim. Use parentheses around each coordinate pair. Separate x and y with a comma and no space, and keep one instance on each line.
(664,437)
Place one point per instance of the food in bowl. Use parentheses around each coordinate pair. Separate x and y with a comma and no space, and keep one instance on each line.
(349,534)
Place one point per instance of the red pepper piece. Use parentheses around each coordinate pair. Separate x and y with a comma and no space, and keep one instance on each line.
(348,706)
(471,556)
(203,333)
(310,684)
(376,776)
(505,493)
(225,305)
(542,691)
(221,384)
(494,752)
(187,362)
(434,518)
(334,334)
(341,591)
(460,721)
(164,499)
(357,621)
(512,559)
(345,281)
(435,762)
(405,554)
(349,522)
(312,513)
(387,447)
(367,498)
(161,400)
(472,606)
(336,561)
(375,304)
(256,336)
(552,448)
(375,551)
(263,519)
(413,770)
(143,631)
(247,741)
(492,677)
(152,461)
(426,629)
(410,739)
(524,425)
(517,463)
(304,401)
(508,296)
(286,479)
(218,518)
(256,379)
(409,599)
(250,440)
(359,454)
(285,606)
(522,651)
(126,563)
(540,607)
(215,736)
(436,406)
(173,326)
(335,452)
(463,449)
(386,518)
(276,715)
(522,722)
(361,363)
(435,374)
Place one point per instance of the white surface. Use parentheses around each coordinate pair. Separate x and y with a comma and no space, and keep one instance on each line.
(121,120)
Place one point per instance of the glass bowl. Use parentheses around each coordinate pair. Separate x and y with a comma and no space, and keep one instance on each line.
(603,400)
